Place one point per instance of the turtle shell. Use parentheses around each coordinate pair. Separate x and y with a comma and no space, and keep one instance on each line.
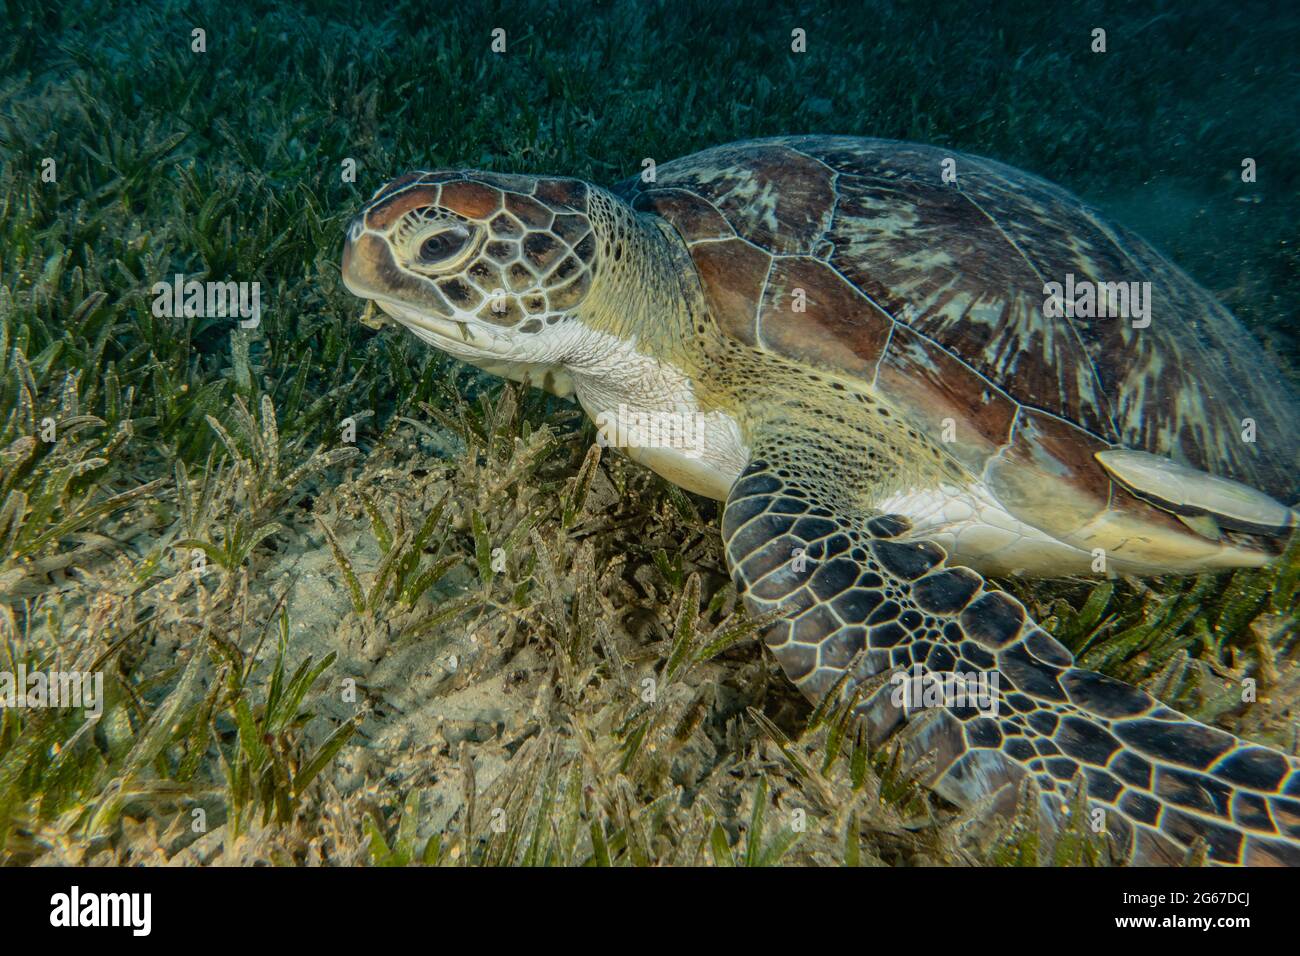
(936,293)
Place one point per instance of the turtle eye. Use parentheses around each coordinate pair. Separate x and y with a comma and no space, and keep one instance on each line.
(442,246)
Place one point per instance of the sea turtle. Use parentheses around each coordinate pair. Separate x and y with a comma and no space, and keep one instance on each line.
(882,355)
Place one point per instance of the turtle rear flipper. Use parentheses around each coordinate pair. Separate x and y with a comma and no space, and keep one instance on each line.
(863,598)
(1191,493)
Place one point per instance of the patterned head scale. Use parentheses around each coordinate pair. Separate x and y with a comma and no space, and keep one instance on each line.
(516,252)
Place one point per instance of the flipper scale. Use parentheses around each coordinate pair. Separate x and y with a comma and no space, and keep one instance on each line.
(1006,700)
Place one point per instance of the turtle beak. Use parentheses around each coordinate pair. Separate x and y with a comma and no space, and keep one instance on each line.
(350,267)
(370,271)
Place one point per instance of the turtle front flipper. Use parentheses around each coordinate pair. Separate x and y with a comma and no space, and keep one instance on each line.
(864,598)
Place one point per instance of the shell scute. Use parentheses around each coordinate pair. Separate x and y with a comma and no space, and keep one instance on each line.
(732,273)
(937,386)
(693,216)
(837,327)
(777,198)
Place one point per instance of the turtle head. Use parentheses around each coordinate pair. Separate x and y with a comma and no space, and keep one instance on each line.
(478,264)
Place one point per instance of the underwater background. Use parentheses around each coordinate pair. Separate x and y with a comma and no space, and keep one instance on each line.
(303,632)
